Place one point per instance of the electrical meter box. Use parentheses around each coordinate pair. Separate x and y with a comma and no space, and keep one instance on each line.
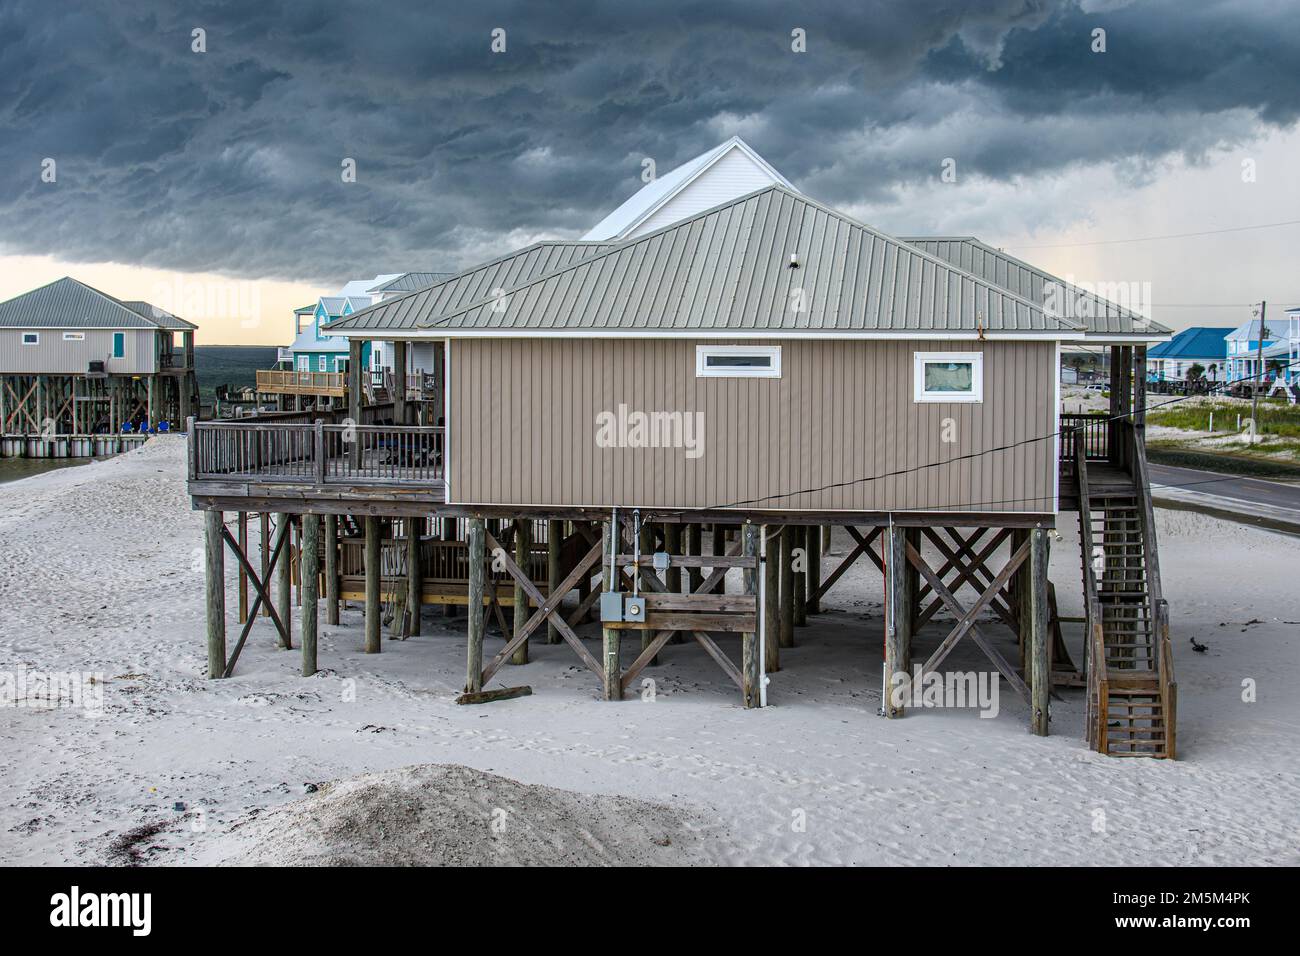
(611,606)
(634,609)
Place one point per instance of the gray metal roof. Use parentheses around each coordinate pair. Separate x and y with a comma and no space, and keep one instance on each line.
(468,287)
(1101,316)
(69,304)
(728,269)
(160,316)
(411,282)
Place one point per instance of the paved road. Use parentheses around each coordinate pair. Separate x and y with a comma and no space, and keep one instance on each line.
(1247,499)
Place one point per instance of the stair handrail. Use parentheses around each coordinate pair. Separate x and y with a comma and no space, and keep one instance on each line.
(1159,606)
(1094,646)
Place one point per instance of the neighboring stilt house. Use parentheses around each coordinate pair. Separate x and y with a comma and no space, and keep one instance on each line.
(76,363)
(764,368)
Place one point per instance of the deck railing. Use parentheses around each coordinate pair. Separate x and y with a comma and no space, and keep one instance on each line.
(317,453)
(307,383)
(1089,429)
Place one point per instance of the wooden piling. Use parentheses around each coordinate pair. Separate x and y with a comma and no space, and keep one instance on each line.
(448,534)
(718,545)
(897,619)
(800,570)
(310,570)
(750,652)
(694,545)
(813,580)
(331,569)
(522,610)
(477,535)
(414,574)
(399,384)
(264,535)
(554,539)
(215,568)
(372,571)
(771,598)
(284,577)
(609,636)
(787,586)
(647,543)
(1040,685)
(911,596)
(241,535)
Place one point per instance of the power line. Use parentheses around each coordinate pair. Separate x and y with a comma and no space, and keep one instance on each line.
(1174,235)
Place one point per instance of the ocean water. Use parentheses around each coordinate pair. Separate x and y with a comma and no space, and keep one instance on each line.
(11,469)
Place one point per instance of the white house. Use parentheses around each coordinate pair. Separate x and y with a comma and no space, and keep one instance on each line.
(1243,346)
(728,171)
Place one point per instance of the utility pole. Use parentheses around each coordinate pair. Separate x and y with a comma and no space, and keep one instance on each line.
(1259,374)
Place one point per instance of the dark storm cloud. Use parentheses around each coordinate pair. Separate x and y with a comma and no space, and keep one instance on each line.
(230,160)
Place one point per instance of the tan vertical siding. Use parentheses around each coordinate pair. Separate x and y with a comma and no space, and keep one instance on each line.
(524,414)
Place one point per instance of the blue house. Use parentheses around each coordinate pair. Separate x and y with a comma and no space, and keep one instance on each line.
(1201,345)
(315,351)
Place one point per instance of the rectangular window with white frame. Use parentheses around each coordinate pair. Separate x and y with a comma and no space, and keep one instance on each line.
(31,338)
(948,377)
(74,336)
(737,361)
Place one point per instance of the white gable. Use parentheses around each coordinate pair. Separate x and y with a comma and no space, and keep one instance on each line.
(724,173)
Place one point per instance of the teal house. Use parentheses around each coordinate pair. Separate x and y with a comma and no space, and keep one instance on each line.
(315,351)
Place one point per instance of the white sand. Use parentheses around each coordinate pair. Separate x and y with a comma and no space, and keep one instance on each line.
(103,571)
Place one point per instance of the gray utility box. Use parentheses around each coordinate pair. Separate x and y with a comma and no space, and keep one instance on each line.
(634,609)
(617,606)
(611,606)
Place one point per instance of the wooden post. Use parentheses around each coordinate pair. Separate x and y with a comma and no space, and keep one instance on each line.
(414,572)
(284,576)
(215,566)
(372,585)
(1040,685)
(609,636)
(399,383)
(477,536)
(647,568)
(787,586)
(554,538)
(814,579)
(771,598)
(449,534)
(750,654)
(673,545)
(719,547)
(241,535)
(523,546)
(331,569)
(310,570)
(694,545)
(896,616)
(354,397)
(911,591)
(801,577)
(264,534)
(1020,589)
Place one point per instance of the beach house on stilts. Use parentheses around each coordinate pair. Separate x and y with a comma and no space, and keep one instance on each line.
(748,372)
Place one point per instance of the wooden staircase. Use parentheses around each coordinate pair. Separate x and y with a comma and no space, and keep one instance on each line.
(1132,696)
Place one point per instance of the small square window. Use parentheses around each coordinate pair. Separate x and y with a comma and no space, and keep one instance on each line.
(74,336)
(737,361)
(949,377)
(31,338)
